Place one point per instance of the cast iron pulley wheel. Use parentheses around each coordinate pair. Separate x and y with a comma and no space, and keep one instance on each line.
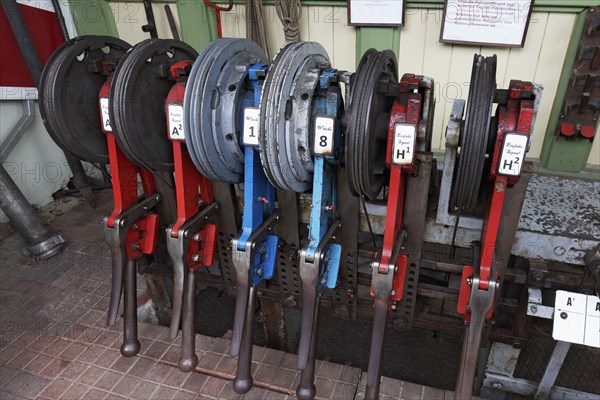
(286,129)
(367,118)
(137,97)
(475,135)
(68,95)
(212,106)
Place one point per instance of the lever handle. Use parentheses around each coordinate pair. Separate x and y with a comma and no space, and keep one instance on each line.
(306,389)
(131,344)
(309,311)
(178,282)
(243,380)
(119,259)
(241,305)
(188,359)
(376,352)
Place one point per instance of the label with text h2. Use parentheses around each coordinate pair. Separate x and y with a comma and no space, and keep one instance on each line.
(104,113)
(251,126)
(513,153)
(176,122)
(324,129)
(403,149)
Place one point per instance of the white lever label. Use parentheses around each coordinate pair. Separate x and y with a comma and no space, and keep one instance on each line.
(324,129)
(105,117)
(403,150)
(513,154)
(176,122)
(577,318)
(251,126)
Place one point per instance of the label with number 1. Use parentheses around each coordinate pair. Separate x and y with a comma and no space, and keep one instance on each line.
(403,150)
(251,125)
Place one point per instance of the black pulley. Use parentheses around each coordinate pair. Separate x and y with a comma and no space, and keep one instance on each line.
(138,91)
(68,94)
(475,135)
(366,121)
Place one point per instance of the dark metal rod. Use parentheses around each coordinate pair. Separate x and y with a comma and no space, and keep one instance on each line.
(131,344)
(306,389)
(243,380)
(61,19)
(119,259)
(172,24)
(40,240)
(376,353)
(188,359)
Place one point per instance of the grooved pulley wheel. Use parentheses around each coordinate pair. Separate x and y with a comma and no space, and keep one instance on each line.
(286,129)
(138,91)
(474,136)
(367,120)
(68,95)
(214,95)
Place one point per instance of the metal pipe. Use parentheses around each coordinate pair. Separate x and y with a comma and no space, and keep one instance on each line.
(40,240)
(131,344)
(18,130)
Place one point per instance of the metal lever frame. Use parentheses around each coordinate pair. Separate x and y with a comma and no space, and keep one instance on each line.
(480,283)
(320,259)
(389,272)
(254,250)
(191,240)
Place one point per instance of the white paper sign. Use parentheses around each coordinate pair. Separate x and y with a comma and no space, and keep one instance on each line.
(492,22)
(324,130)
(176,122)
(513,153)
(251,126)
(104,113)
(403,149)
(376,12)
(577,318)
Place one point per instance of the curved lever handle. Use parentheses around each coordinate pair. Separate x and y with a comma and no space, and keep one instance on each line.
(376,352)
(188,359)
(131,344)
(241,305)
(309,311)
(178,282)
(243,379)
(119,259)
(306,389)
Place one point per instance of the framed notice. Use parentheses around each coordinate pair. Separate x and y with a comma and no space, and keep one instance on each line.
(376,12)
(486,22)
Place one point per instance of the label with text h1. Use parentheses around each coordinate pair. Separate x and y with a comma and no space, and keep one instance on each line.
(324,129)
(513,154)
(104,113)
(403,149)
(176,122)
(251,126)
(577,318)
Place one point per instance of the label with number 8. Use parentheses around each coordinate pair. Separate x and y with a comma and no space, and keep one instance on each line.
(403,149)
(176,122)
(324,129)
(251,126)
(513,153)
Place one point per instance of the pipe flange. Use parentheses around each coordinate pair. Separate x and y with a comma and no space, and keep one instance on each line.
(212,103)
(46,249)
(68,96)
(366,120)
(138,92)
(286,129)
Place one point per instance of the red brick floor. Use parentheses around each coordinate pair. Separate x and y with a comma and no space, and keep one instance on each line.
(54,343)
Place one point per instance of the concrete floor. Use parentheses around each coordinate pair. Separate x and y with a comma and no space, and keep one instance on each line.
(54,343)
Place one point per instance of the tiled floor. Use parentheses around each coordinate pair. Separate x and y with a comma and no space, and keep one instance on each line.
(54,343)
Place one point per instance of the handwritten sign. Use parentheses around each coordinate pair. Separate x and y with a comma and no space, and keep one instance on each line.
(513,154)
(403,150)
(176,122)
(324,129)
(105,115)
(251,126)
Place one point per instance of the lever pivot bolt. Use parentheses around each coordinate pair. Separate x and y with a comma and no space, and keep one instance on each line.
(196,257)
(197,237)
